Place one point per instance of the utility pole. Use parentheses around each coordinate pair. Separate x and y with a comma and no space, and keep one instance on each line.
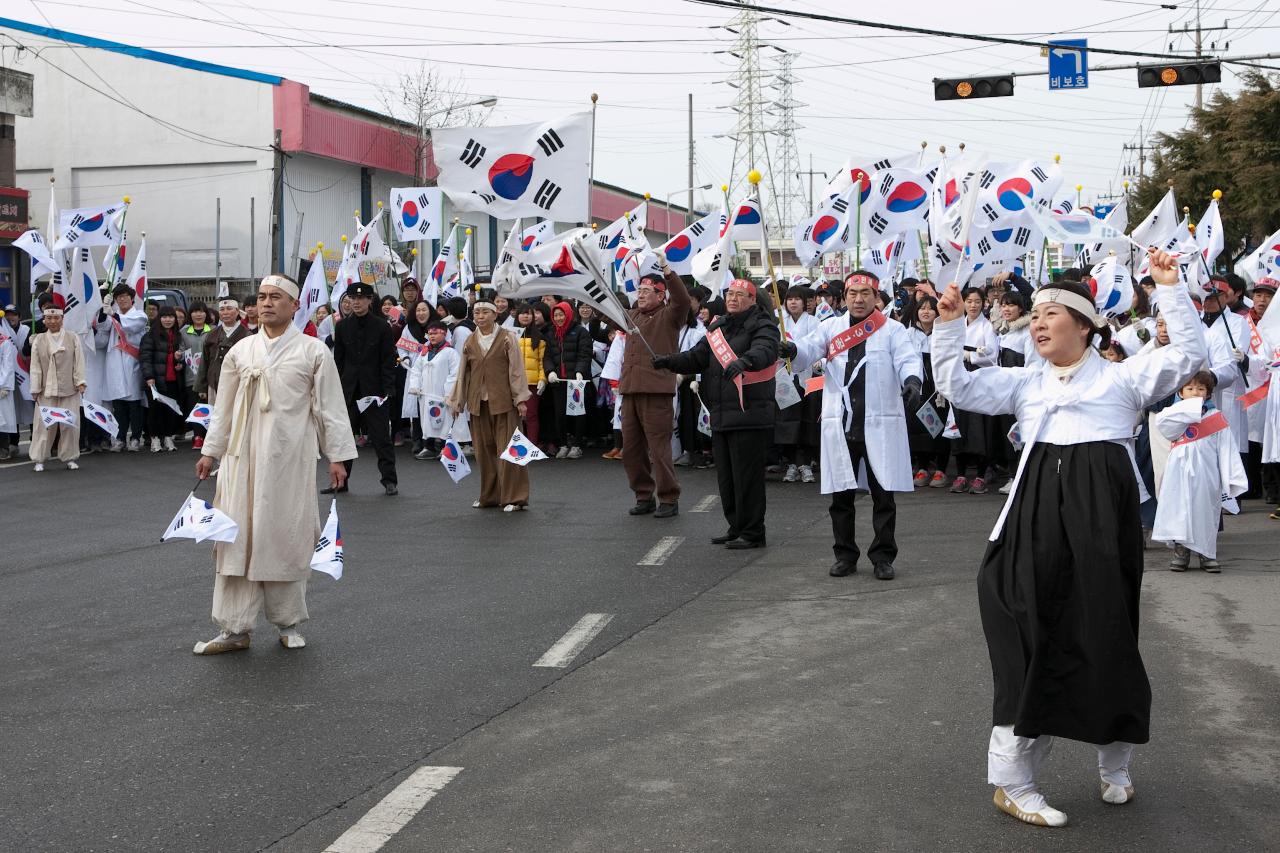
(1141,148)
(688,217)
(811,173)
(1198,31)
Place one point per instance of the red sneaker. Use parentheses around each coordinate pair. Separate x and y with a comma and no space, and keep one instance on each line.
(197,443)
(921,478)
(959,485)
(939,480)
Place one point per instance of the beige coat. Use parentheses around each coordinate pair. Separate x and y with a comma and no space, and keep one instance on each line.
(496,377)
(278,408)
(56,372)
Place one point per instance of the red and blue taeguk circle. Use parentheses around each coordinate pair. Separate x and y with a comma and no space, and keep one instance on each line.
(678,249)
(825,228)
(1010,193)
(517,451)
(906,197)
(409,214)
(510,175)
(449,452)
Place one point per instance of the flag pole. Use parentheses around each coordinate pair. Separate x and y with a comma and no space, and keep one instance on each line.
(753,177)
(591,167)
(117,262)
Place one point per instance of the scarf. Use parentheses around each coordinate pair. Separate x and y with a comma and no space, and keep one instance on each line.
(1063,374)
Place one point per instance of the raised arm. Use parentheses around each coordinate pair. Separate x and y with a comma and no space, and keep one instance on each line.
(988,392)
(1161,372)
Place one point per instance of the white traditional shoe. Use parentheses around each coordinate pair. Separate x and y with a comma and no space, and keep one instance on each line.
(512,508)
(475,504)
(291,639)
(1116,795)
(1043,815)
(155,445)
(168,443)
(39,467)
(224,642)
(793,474)
(72,466)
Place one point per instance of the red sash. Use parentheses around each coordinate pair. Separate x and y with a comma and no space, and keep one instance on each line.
(122,343)
(725,355)
(410,345)
(1255,339)
(1216,422)
(859,331)
(1257,395)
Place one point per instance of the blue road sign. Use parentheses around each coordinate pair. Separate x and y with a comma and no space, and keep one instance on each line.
(1069,64)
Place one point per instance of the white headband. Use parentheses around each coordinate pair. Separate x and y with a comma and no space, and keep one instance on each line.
(1069,300)
(51,312)
(228,303)
(281,282)
(489,305)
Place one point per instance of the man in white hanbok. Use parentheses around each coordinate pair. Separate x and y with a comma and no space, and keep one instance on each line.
(871,366)
(280,405)
(119,330)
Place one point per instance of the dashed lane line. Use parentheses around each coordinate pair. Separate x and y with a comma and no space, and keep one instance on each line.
(659,553)
(394,811)
(574,641)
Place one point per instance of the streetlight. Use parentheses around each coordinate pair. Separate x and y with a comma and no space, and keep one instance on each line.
(483,102)
(688,212)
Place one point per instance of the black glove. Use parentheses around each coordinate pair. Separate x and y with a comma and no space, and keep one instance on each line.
(912,394)
(663,362)
(787,349)
(734,369)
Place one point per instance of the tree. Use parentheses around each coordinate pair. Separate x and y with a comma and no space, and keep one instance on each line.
(426,100)
(1233,144)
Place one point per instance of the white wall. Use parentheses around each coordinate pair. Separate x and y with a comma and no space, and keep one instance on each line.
(100,150)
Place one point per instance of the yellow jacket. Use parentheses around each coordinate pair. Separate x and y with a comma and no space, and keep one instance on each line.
(532,360)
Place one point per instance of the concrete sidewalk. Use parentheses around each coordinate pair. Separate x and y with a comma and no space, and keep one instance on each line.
(787,710)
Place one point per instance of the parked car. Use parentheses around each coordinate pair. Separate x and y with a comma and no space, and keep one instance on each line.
(166,296)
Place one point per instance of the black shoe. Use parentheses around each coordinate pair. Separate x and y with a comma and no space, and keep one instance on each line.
(391,489)
(843,568)
(884,571)
(667,510)
(330,490)
(723,540)
(744,544)
(643,507)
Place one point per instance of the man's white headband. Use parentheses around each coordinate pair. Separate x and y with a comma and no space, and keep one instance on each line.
(281,282)
(228,303)
(478,305)
(1070,300)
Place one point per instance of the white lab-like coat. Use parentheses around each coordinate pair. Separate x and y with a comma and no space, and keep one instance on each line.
(121,373)
(981,335)
(8,387)
(1231,384)
(1128,338)
(408,404)
(1197,477)
(1101,402)
(428,386)
(95,367)
(890,358)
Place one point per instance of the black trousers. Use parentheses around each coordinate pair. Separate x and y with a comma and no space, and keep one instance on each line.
(884,517)
(376,423)
(740,462)
(131,417)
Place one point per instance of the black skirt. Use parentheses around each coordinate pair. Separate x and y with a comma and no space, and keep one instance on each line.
(1058,592)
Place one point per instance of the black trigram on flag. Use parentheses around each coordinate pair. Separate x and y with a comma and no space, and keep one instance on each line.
(487,198)
(877,223)
(546,195)
(322,544)
(956,227)
(473,153)
(423,226)
(1022,236)
(941,255)
(696,229)
(984,246)
(423,201)
(887,184)
(529,271)
(142,264)
(550,142)
(1039,174)
(881,164)
(931,175)
(990,212)
(987,179)
(840,205)
(876,258)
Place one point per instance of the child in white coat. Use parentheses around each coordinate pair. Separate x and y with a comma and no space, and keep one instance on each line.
(430,380)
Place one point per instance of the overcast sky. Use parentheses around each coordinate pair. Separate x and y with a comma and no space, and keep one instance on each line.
(865,91)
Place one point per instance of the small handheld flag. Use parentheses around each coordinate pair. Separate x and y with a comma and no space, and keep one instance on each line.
(201,414)
(101,417)
(521,451)
(166,401)
(328,557)
(200,520)
(453,461)
(365,402)
(51,415)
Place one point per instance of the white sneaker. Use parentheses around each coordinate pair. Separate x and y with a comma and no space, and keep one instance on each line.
(134,445)
(512,508)
(168,443)
(291,639)
(806,474)
(792,475)
(683,460)
(72,466)
(575,453)
(1006,488)
(39,467)
(155,445)
(116,446)
(562,453)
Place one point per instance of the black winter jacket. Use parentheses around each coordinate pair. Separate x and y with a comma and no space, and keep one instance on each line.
(576,355)
(754,337)
(153,356)
(364,349)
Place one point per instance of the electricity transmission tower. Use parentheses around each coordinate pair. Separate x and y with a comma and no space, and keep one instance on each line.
(786,163)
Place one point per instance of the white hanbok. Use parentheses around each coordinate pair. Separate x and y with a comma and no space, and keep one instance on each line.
(8,384)
(408,358)
(23,405)
(1197,477)
(429,384)
(890,358)
(122,374)
(1227,333)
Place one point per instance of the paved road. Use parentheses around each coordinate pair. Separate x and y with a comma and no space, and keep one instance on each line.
(734,701)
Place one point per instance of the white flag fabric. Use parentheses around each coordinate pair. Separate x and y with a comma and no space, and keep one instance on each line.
(899,202)
(618,241)
(565,266)
(1209,238)
(368,245)
(315,292)
(77,284)
(445,268)
(1008,191)
(464,280)
(1160,225)
(101,416)
(42,262)
(518,170)
(365,402)
(521,451)
(829,230)
(201,521)
(51,415)
(1118,219)
(138,275)
(860,170)
(417,213)
(882,258)
(348,274)
(89,226)
(1068,228)
(202,414)
(328,555)
(536,235)
(575,398)
(166,401)
(453,460)
(1262,262)
(681,248)
(712,266)
(704,420)
(1112,287)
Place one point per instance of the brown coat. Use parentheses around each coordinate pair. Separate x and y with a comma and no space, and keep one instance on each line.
(214,350)
(661,328)
(500,372)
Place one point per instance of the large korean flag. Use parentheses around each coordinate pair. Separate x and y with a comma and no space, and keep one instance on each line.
(518,170)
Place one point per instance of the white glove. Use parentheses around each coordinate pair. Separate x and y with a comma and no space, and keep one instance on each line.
(662,259)
(552,378)
(577,376)
(4,392)
(982,351)
(694,386)
(542,385)
(1238,354)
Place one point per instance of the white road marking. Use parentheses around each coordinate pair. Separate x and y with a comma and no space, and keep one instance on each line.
(572,643)
(705,504)
(395,810)
(17,464)
(659,553)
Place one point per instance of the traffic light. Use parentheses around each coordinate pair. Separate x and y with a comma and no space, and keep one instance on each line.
(967,88)
(1179,74)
